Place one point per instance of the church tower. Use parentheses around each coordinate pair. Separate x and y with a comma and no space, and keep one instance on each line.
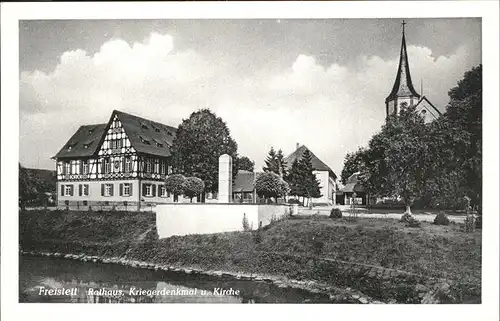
(402,91)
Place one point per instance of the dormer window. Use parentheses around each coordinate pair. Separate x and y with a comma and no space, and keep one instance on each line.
(143,125)
(158,144)
(71,146)
(155,128)
(87,144)
(144,140)
(169,134)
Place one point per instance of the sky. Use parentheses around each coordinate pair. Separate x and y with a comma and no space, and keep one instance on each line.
(275,82)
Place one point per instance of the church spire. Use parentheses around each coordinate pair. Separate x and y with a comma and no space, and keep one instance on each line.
(403,87)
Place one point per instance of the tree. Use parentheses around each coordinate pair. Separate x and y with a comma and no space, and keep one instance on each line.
(244,163)
(310,186)
(353,162)
(456,147)
(294,179)
(275,163)
(27,186)
(460,135)
(32,187)
(175,184)
(271,185)
(399,158)
(193,187)
(199,142)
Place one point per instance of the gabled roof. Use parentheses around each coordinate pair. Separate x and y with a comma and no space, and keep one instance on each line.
(146,136)
(352,184)
(317,164)
(83,143)
(433,110)
(403,86)
(244,182)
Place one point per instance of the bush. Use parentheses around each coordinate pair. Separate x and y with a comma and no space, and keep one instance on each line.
(441,219)
(271,185)
(479,222)
(245,225)
(193,186)
(335,213)
(406,218)
(294,201)
(175,184)
(412,222)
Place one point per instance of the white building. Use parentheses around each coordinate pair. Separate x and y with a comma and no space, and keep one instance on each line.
(325,175)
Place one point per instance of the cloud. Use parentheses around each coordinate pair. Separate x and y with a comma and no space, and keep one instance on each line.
(332,109)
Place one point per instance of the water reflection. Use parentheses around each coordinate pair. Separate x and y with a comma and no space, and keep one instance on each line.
(89,282)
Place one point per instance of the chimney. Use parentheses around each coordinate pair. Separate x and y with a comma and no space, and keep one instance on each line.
(297,146)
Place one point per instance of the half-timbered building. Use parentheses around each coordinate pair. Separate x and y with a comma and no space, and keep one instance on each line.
(120,164)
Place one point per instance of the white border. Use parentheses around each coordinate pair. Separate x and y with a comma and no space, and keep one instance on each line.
(12,12)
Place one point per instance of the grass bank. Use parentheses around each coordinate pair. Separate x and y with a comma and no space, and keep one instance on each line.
(381,258)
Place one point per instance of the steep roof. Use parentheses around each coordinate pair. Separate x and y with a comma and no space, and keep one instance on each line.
(433,110)
(403,86)
(317,163)
(144,136)
(352,184)
(139,130)
(83,143)
(244,181)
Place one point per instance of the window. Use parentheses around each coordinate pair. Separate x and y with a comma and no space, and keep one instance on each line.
(149,190)
(163,166)
(107,189)
(85,167)
(163,191)
(157,166)
(148,166)
(70,146)
(128,165)
(68,190)
(67,168)
(87,144)
(83,190)
(144,140)
(107,165)
(116,144)
(126,189)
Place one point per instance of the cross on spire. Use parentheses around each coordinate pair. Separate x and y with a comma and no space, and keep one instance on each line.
(403,24)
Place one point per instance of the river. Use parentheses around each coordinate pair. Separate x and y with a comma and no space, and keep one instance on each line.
(53,280)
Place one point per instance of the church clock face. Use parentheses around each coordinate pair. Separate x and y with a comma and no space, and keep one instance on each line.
(117,164)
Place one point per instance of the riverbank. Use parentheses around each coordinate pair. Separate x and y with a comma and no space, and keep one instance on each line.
(429,265)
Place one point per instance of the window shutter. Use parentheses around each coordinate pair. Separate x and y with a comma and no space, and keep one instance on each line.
(121,189)
(81,166)
(111,190)
(143,189)
(130,191)
(123,164)
(102,167)
(62,190)
(71,190)
(88,189)
(154,189)
(80,190)
(102,189)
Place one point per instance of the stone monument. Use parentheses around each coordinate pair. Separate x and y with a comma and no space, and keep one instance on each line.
(225,179)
